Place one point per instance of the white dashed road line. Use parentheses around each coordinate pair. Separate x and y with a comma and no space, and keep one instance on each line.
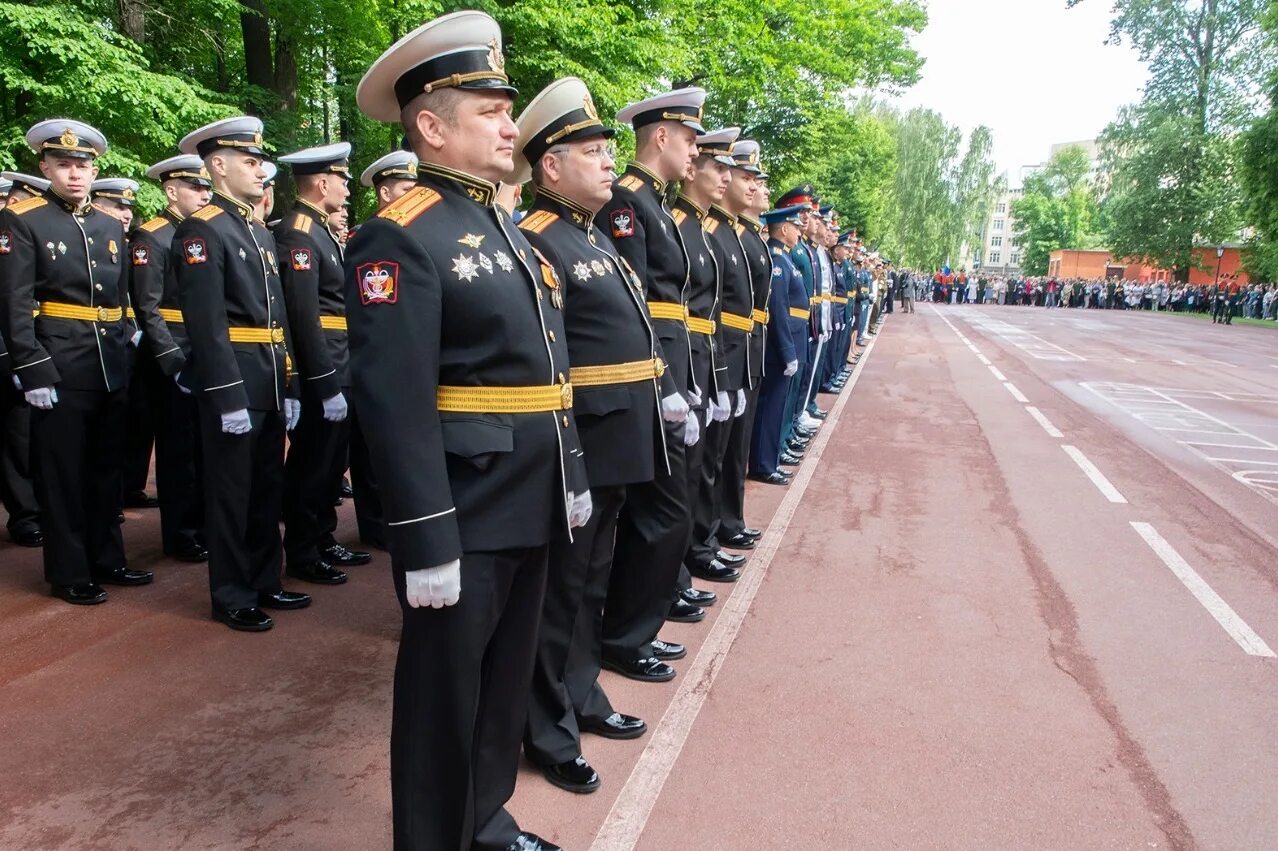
(1016,393)
(1052,431)
(997,373)
(1098,478)
(1238,630)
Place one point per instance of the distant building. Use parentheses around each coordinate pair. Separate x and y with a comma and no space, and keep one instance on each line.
(1073,263)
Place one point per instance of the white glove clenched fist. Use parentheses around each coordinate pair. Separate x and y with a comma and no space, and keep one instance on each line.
(436,587)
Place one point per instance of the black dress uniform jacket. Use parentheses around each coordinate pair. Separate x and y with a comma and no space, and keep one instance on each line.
(703,297)
(757,256)
(311,270)
(443,290)
(644,233)
(736,297)
(228,278)
(78,260)
(607,322)
(155,291)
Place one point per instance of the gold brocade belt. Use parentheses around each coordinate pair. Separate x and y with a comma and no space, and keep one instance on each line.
(800,313)
(504,400)
(60,310)
(267,336)
(667,310)
(617,373)
(701,326)
(760,316)
(333,323)
(741,323)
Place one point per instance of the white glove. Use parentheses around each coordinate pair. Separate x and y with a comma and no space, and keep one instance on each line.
(436,587)
(691,430)
(237,422)
(335,408)
(791,368)
(579,509)
(674,409)
(694,397)
(741,404)
(292,413)
(719,407)
(43,398)
(177,379)
(135,339)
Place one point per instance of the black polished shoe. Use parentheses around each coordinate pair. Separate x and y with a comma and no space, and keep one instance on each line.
(139,499)
(575,775)
(615,726)
(797,442)
(753,533)
(337,554)
(730,559)
(740,541)
(347,490)
(193,553)
(681,611)
(650,670)
(796,451)
(818,413)
(805,433)
(715,571)
(319,572)
(244,620)
(83,594)
(283,600)
(697,597)
(668,651)
(119,517)
(531,842)
(123,576)
(829,389)
(769,478)
(789,459)
(30,538)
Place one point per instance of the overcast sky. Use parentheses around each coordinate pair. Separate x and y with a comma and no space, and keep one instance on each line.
(1034,71)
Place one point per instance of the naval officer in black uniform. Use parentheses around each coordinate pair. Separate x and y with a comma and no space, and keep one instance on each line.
(654,524)
(311,273)
(617,378)
(459,369)
(187,188)
(233,310)
(64,259)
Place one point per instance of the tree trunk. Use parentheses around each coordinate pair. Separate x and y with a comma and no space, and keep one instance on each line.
(132,19)
(259,67)
(285,72)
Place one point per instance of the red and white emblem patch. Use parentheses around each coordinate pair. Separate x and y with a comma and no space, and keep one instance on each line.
(6,242)
(623,223)
(378,282)
(195,251)
(141,256)
(301,259)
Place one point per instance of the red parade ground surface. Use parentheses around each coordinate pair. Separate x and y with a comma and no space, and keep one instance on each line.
(968,625)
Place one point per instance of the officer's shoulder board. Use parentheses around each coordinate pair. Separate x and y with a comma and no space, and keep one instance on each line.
(740,228)
(207,213)
(776,250)
(630,182)
(679,216)
(709,225)
(27,206)
(154,224)
(301,223)
(410,205)
(538,221)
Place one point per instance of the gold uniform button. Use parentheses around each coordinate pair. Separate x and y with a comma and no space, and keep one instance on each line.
(551,335)
(565,421)
(561,378)
(98,287)
(93,263)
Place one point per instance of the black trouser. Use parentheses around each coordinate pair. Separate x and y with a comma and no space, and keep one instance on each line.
(369,518)
(144,380)
(705,493)
(17,491)
(652,535)
(76,449)
(312,482)
(461,696)
(566,672)
(736,459)
(697,457)
(243,481)
(178,468)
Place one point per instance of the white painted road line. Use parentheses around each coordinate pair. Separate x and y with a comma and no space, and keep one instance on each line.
(1098,478)
(1016,393)
(1238,630)
(997,374)
(626,820)
(983,359)
(1052,431)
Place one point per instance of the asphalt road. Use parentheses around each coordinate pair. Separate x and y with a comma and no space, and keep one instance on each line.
(1023,594)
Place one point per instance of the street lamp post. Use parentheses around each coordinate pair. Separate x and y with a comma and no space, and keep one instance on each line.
(1220,252)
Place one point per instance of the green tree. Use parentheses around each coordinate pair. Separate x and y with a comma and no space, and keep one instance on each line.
(1057,209)
(921,217)
(1172,158)
(973,192)
(1258,175)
